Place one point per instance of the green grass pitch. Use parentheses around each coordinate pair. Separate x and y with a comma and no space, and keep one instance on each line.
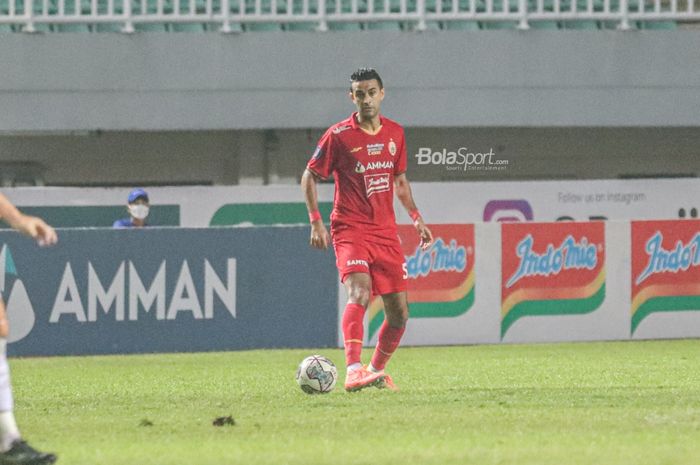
(550,404)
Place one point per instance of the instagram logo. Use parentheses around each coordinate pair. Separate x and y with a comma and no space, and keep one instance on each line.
(508,210)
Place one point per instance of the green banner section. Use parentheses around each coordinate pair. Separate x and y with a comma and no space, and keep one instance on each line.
(679,303)
(429,310)
(552,307)
(267,213)
(99,216)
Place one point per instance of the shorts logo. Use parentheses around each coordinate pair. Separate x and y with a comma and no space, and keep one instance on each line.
(376,183)
(357,262)
(375,149)
(340,129)
(392,147)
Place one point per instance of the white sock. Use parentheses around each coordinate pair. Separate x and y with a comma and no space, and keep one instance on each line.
(373,370)
(8,427)
(354,366)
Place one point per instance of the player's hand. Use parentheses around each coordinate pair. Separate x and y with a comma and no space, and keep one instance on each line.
(320,238)
(38,230)
(426,237)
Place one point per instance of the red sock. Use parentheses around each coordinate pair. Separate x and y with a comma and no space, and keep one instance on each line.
(388,340)
(353,332)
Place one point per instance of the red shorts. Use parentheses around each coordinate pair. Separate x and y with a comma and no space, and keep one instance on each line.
(385,264)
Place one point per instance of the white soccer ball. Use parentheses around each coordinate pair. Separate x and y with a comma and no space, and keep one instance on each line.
(316,375)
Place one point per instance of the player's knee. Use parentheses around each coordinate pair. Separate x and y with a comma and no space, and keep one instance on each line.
(359,295)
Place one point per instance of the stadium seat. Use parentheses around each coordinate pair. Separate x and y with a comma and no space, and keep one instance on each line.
(139,7)
(386,6)
(297,9)
(184,7)
(267,7)
(463,6)
(658,25)
(334,7)
(502,6)
(70,8)
(543,24)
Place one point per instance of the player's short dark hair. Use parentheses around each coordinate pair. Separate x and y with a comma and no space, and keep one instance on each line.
(366,74)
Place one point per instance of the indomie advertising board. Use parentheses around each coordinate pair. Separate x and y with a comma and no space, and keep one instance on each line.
(441,279)
(551,271)
(665,278)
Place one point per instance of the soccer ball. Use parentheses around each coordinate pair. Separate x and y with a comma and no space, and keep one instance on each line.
(316,375)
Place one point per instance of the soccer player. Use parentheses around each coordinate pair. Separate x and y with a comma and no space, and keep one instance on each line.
(367,154)
(13,450)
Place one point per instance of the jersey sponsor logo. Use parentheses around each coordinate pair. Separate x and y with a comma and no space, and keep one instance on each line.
(357,262)
(375,149)
(355,149)
(376,183)
(373,166)
(340,129)
(392,147)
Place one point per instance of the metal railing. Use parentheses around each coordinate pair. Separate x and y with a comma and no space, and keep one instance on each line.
(239,15)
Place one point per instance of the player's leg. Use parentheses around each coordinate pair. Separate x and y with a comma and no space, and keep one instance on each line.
(358,287)
(12,448)
(389,279)
(391,331)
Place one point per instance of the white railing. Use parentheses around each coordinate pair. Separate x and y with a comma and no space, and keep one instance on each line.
(238,15)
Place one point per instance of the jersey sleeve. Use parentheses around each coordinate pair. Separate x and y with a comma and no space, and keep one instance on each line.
(321,162)
(401,161)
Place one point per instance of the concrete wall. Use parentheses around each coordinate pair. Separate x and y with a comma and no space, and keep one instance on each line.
(79,82)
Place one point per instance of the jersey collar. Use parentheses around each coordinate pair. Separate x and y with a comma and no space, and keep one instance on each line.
(355,125)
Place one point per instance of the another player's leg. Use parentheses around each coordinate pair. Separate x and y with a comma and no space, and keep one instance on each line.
(390,333)
(358,287)
(13,450)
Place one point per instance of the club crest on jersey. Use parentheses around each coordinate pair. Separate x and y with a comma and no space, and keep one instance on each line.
(340,129)
(376,183)
(375,149)
(392,147)
(360,168)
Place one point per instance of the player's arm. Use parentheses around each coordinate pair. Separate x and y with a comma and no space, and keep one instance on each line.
(31,226)
(320,238)
(404,194)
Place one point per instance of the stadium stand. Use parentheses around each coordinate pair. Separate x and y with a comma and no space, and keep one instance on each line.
(338,15)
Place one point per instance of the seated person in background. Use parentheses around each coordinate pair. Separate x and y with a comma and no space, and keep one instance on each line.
(138,208)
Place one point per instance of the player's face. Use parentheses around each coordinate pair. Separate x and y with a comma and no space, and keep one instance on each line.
(367,96)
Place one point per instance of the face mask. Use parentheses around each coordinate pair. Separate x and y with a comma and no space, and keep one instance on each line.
(140,212)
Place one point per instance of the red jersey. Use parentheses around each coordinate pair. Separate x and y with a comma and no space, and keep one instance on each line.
(364,166)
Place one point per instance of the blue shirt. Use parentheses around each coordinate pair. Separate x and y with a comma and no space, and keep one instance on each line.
(124,223)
